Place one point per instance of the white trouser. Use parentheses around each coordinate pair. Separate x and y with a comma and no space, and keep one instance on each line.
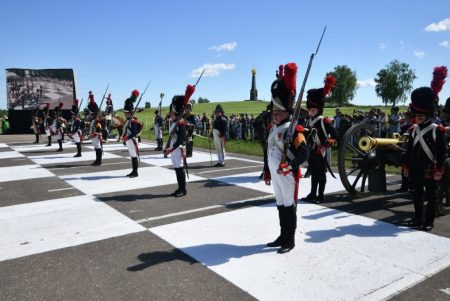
(48,131)
(132,148)
(158,132)
(96,143)
(220,146)
(58,134)
(76,137)
(177,157)
(283,186)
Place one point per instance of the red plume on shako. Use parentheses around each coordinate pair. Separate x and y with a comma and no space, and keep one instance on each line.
(330,82)
(187,95)
(439,75)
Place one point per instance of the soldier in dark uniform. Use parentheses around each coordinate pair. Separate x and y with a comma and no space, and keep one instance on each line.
(108,115)
(75,128)
(59,127)
(284,175)
(97,139)
(219,133)
(322,136)
(35,124)
(189,119)
(48,121)
(130,131)
(262,124)
(92,106)
(425,156)
(158,127)
(177,139)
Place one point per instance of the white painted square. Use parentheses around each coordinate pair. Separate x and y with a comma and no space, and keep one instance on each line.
(119,146)
(251,180)
(116,180)
(10,154)
(4,145)
(42,147)
(38,227)
(159,160)
(63,157)
(338,256)
(23,172)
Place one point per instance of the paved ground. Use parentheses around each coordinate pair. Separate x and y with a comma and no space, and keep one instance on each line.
(71,231)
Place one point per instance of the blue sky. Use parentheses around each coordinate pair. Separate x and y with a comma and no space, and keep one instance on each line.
(127,43)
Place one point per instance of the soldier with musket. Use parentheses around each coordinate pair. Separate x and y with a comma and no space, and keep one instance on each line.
(282,166)
(158,128)
(35,124)
(108,115)
(95,130)
(189,118)
(426,150)
(219,133)
(322,135)
(177,139)
(131,130)
(48,121)
(59,126)
(75,128)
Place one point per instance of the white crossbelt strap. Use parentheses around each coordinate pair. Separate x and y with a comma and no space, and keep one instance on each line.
(418,137)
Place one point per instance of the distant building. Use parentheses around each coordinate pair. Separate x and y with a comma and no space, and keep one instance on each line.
(253,91)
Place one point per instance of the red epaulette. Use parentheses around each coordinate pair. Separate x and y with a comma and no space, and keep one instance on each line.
(270,126)
(441,129)
(327,120)
(134,120)
(181,122)
(299,128)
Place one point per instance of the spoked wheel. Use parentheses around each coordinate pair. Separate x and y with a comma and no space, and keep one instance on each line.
(354,164)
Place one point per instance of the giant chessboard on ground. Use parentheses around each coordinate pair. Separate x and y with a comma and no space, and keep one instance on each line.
(71,231)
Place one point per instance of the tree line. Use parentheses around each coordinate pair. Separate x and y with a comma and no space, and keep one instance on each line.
(392,84)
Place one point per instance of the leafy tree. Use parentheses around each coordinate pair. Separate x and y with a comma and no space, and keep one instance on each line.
(394,83)
(346,84)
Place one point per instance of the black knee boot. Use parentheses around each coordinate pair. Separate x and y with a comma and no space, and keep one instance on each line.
(134,163)
(291,226)
(49,141)
(98,157)
(312,196)
(322,184)
(189,147)
(60,149)
(78,150)
(37,139)
(181,179)
(280,240)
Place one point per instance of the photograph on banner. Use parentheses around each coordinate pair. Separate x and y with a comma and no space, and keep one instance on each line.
(27,88)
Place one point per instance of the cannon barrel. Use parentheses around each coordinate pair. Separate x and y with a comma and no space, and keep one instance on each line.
(368,143)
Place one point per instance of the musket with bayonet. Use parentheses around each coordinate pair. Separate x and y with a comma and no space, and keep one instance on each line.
(103,98)
(298,104)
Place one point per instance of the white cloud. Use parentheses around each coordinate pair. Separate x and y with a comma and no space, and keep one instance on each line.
(367,83)
(444,44)
(443,25)
(419,54)
(224,47)
(382,46)
(211,69)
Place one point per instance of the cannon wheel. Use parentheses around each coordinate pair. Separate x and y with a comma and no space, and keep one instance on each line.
(361,161)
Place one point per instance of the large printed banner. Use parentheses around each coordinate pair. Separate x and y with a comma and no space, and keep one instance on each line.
(29,88)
